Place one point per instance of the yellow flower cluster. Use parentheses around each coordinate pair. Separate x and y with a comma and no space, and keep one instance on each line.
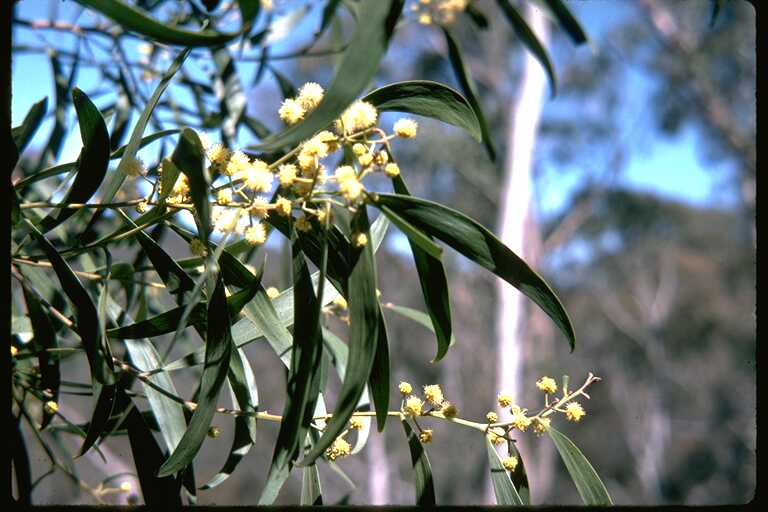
(442,12)
(358,116)
(405,388)
(339,448)
(272,292)
(293,110)
(509,463)
(425,436)
(356,424)
(433,394)
(574,411)
(519,420)
(547,385)
(413,405)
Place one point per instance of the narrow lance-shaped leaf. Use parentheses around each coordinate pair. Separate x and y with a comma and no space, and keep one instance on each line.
(519,476)
(44,339)
(100,417)
(363,335)
(303,377)
(20,461)
(424,484)
(129,156)
(166,267)
(93,161)
(505,491)
(378,382)
(468,87)
(567,20)
(147,458)
(218,349)
(23,133)
(429,99)
(245,395)
(311,492)
(590,487)
(133,19)
(434,287)
(360,63)
(480,245)
(189,157)
(85,311)
(530,40)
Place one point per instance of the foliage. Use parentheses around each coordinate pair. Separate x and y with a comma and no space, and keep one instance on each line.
(116,312)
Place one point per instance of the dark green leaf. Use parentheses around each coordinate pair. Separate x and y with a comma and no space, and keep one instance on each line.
(519,476)
(175,279)
(23,133)
(135,20)
(158,492)
(303,377)
(477,16)
(85,311)
(93,161)
(429,99)
(246,397)
(590,487)
(168,321)
(100,417)
(468,87)
(530,40)
(218,349)
(434,288)
(357,68)
(329,11)
(189,156)
(717,6)
(567,20)
(378,382)
(480,245)
(44,339)
(249,10)
(417,316)
(424,485)
(505,491)
(20,461)
(363,335)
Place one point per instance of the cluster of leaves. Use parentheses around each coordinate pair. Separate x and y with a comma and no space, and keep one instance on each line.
(216,293)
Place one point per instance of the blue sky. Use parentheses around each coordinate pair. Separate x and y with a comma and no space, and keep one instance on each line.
(667,166)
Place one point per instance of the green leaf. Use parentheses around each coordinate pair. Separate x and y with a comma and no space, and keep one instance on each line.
(85,311)
(415,236)
(135,20)
(63,168)
(286,87)
(134,143)
(166,267)
(429,99)
(245,395)
(23,133)
(717,6)
(218,349)
(189,156)
(480,245)
(249,10)
(417,316)
(505,491)
(147,458)
(358,66)
(44,339)
(567,21)
(20,461)
(530,40)
(100,417)
(311,492)
(379,380)
(93,161)
(590,487)
(519,476)
(168,413)
(168,321)
(424,485)
(477,16)
(363,335)
(303,376)
(468,87)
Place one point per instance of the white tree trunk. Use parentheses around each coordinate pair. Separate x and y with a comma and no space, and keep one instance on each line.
(378,469)
(515,203)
